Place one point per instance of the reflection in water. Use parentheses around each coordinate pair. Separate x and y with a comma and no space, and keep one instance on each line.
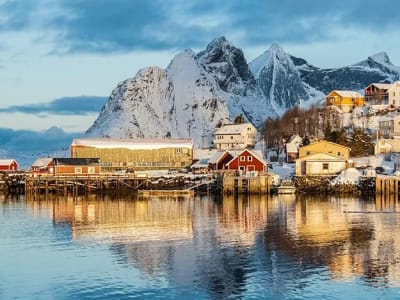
(280,247)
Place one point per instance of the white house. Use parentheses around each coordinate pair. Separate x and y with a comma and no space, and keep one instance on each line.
(394,94)
(389,126)
(235,136)
(320,164)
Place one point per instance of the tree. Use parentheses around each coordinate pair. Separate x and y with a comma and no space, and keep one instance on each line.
(239,119)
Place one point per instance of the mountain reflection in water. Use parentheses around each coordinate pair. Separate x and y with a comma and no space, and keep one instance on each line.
(205,247)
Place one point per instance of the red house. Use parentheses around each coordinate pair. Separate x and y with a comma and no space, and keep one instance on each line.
(43,166)
(8,165)
(219,160)
(247,161)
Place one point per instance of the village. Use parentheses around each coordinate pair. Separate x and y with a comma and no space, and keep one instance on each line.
(238,160)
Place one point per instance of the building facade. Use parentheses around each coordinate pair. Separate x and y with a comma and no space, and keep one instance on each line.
(377,93)
(320,164)
(247,161)
(394,94)
(76,166)
(235,136)
(326,147)
(137,154)
(8,165)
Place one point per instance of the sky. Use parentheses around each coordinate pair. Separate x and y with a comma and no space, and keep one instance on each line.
(60,59)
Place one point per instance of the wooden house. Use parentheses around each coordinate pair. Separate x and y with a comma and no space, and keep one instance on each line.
(394,94)
(377,93)
(326,147)
(219,160)
(345,100)
(8,165)
(76,166)
(320,164)
(247,161)
(42,165)
(235,136)
(137,154)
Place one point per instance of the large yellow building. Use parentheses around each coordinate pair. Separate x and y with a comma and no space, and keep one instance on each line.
(137,154)
(326,147)
(345,100)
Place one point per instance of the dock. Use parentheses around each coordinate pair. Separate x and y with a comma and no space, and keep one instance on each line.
(387,185)
(247,184)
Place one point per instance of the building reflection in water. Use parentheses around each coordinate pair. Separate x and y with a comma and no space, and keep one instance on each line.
(217,244)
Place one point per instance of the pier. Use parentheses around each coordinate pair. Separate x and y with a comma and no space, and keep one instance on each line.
(387,185)
(247,184)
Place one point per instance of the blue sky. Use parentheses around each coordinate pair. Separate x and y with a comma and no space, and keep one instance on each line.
(56,54)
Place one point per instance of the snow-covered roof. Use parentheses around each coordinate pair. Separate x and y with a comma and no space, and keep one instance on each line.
(256,153)
(106,143)
(199,154)
(42,162)
(7,162)
(217,155)
(345,93)
(348,176)
(381,86)
(233,128)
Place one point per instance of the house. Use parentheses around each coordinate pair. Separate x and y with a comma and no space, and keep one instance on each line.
(248,161)
(8,165)
(345,100)
(389,126)
(391,145)
(320,164)
(219,160)
(326,147)
(377,93)
(42,165)
(394,94)
(76,166)
(292,148)
(138,154)
(235,136)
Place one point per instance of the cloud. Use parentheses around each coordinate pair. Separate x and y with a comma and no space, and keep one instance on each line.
(81,105)
(28,145)
(104,26)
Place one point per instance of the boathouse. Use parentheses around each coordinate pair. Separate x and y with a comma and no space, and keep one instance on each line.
(43,165)
(8,165)
(76,166)
(247,161)
(137,154)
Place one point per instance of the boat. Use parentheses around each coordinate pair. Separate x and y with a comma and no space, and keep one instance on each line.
(286,187)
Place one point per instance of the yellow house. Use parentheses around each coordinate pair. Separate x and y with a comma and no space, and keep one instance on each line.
(345,100)
(326,147)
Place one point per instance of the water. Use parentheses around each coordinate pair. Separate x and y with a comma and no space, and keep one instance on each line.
(202,248)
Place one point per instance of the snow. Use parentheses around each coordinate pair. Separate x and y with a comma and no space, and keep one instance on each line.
(348,176)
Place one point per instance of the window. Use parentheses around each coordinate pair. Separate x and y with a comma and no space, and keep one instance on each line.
(241,168)
(178,150)
(308,153)
(78,170)
(249,158)
(325,166)
(91,170)
(231,137)
(242,158)
(339,154)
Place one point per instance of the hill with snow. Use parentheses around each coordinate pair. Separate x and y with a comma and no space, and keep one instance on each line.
(197,92)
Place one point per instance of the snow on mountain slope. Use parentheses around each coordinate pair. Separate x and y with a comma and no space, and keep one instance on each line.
(281,82)
(194,95)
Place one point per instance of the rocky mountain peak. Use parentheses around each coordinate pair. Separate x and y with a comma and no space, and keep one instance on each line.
(381,57)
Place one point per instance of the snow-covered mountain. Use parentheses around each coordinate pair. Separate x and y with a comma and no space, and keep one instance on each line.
(199,91)
(195,94)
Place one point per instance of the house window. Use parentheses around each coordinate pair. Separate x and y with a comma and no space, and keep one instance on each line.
(91,170)
(242,158)
(308,153)
(241,168)
(78,170)
(339,154)
(231,137)
(325,166)
(178,150)
(249,158)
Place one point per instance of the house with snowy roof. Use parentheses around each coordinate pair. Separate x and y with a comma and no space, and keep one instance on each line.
(42,165)
(235,136)
(137,154)
(377,93)
(8,165)
(345,100)
(394,94)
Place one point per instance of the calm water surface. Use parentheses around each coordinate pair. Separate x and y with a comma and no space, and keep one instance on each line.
(199,248)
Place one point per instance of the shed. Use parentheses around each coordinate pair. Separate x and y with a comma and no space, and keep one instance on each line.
(8,165)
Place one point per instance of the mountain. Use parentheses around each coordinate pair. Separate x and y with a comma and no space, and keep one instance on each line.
(376,68)
(198,92)
(194,95)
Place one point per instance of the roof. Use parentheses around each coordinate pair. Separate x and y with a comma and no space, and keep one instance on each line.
(295,139)
(76,161)
(256,153)
(233,128)
(320,157)
(107,143)
(381,86)
(7,162)
(327,142)
(217,156)
(203,153)
(42,162)
(345,93)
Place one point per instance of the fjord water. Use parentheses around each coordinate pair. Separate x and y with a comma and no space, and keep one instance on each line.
(282,247)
